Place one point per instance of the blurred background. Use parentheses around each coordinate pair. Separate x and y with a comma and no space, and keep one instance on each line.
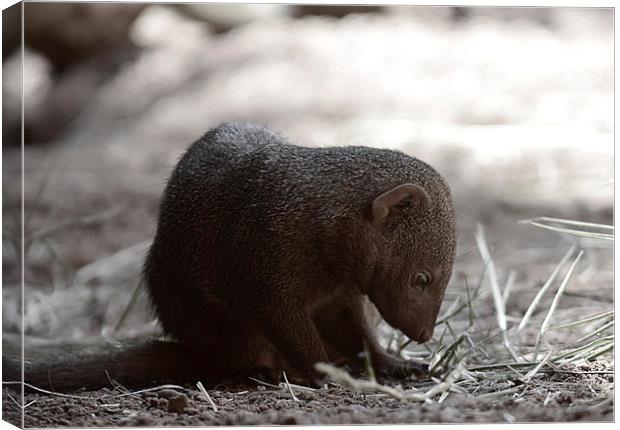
(514,106)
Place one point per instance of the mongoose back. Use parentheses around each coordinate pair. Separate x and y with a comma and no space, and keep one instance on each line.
(267,254)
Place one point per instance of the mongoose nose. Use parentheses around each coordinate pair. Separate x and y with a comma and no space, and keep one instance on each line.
(424,336)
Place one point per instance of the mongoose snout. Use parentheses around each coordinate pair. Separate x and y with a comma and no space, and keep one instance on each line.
(424,336)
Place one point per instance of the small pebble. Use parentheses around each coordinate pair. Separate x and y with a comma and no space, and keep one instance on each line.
(282,404)
(177,402)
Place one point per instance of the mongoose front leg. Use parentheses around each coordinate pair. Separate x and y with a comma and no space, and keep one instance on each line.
(295,336)
(348,328)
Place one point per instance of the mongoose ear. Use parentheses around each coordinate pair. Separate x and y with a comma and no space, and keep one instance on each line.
(400,198)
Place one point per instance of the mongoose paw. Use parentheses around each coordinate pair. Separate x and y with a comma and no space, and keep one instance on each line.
(268,374)
(395,367)
(314,382)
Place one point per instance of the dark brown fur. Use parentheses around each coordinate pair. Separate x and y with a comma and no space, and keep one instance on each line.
(266,252)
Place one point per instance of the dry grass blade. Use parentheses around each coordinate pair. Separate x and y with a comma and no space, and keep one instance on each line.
(497,295)
(508,288)
(17,403)
(545,287)
(583,350)
(447,383)
(288,386)
(74,396)
(443,397)
(470,308)
(340,376)
(448,354)
(300,387)
(439,346)
(44,182)
(266,384)
(520,375)
(82,221)
(594,348)
(14,401)
(452,310)
(585,231)
(590,351)
(600,351)
(585,320)
(535,370)
(278,387)
(207,396)
(596,332)
(112,263)
(554,303)
(41,390)
(370,370)
(573,348)
(572,222)
(457,309)
(132,301)
(494,394)
(499,366)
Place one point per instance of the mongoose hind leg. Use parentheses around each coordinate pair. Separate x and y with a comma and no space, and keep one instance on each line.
(237,352)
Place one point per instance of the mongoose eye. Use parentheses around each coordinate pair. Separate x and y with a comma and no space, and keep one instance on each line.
(422,279)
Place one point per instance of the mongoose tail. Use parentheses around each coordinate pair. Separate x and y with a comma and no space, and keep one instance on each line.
(96,363)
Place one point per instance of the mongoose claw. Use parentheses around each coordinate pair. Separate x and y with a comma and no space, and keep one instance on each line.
(395,367)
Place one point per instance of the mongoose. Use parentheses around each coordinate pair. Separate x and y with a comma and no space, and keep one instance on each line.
(266,253)
(271,256)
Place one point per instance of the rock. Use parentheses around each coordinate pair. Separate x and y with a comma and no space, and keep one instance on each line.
(177,402)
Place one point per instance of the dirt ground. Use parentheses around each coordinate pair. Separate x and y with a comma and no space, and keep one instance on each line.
(573,400)
(483,101)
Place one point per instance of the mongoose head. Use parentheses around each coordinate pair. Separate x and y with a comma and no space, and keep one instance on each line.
(414,247)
